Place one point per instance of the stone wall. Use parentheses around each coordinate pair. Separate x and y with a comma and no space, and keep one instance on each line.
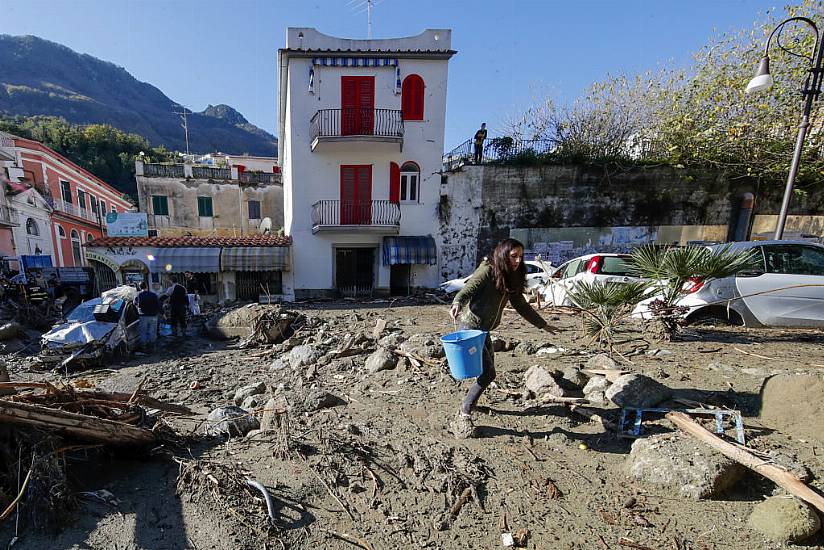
(480,205)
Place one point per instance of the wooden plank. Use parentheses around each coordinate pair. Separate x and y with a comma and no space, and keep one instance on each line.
(778,475)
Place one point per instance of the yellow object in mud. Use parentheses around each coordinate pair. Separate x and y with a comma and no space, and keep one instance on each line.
(583,446)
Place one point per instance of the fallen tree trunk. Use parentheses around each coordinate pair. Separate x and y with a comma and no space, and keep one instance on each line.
(778,475)
(77,425)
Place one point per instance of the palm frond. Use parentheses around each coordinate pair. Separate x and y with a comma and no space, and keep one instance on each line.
(606,295)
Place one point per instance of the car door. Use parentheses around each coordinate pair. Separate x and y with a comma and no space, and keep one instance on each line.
(561,287)
(790,291)
(131,320)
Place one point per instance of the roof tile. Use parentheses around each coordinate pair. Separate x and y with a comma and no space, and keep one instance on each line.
(192,242)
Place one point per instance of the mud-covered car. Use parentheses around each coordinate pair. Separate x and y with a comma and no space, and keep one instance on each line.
(98,330)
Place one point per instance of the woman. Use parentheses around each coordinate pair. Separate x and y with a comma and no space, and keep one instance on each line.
(486,293)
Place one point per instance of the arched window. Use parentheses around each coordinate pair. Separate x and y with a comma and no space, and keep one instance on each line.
(78,258)
(32,228)
(89,237)
(412,97)
(410,182)
(61,232)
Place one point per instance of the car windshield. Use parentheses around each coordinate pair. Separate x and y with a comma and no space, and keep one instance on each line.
(85,311)
(615,265)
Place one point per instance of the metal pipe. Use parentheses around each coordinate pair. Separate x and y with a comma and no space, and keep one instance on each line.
(270,506)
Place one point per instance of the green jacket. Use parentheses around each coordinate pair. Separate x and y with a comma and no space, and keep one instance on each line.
(486,303)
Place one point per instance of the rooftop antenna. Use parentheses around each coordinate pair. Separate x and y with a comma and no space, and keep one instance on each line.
(183,113)
(360,6)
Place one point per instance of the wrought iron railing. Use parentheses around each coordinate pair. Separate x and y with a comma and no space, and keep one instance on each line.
(495,150)
(357,122)
(164,170)
(259,177)
(8,216)
(336,212)
(207,172)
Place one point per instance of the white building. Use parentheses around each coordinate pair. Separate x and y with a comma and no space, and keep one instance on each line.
(361,128)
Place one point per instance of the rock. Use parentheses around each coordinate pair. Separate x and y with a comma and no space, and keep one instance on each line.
(381,359)
(550,350)
(392,340)
(539,381)
(320,399)
(253,402)
(525,349)
(462,426)
(601,361)
(424,345)
(637,390)
(278,364)
(271,414)
(658,353)
(232,421)
(676,462)
(303,355)
(572,378)
(500,344)
(596,384)
(597,398)
(784,519)
(253,389)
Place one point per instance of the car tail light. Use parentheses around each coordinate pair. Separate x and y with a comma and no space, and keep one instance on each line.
(592,265)
(693,284)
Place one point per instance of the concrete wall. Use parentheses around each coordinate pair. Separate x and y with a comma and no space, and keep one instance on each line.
(311,176)
(591,207)
(229,204)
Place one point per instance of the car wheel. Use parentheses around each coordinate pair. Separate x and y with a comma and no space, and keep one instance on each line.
(715,316)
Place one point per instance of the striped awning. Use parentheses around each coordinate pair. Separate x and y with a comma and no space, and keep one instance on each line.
(355,61)
(409,250)
(182,259)
(255,258)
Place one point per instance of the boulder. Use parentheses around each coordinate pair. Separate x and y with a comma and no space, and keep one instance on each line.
(253,402)
(303,355)
(381,359)
(246,391)
(784,519)
(676,462)
(232,421)
(637,390)
(540,381)
(525,349)
(424,345)
(392,340)
(596,384)
(572,378)
(601,361)
(320,399)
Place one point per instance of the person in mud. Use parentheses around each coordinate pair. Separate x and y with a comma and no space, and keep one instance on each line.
(148,306)
(178,307)
(480,304)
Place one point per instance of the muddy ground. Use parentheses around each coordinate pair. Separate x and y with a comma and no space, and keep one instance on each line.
(379,468)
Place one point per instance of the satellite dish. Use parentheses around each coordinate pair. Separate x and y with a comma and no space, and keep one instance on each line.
(265,226)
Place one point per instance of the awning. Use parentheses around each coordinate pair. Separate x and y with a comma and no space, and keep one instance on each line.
(355,61)
(180,259)
(409,250)
(255,258)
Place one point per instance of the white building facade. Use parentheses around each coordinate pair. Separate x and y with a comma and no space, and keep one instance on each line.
(361,127)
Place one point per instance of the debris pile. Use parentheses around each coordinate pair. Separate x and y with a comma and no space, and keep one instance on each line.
(254,324)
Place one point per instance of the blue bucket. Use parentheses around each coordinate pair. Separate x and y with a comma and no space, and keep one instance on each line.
(165,329)
(464,353)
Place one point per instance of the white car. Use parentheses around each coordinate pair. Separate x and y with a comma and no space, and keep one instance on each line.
(785,289)
(536,276)
(601,268)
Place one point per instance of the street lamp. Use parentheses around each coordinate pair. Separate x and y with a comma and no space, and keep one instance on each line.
(812,87)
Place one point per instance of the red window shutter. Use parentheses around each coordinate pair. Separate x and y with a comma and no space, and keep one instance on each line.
(394,182)
(412,97)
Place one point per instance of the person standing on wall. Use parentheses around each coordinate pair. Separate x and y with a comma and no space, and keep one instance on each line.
(178,307)
(148,305)
(479,306)
(480,137)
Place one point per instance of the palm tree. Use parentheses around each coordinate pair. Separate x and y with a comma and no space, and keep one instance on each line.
(603,306)
(674,270)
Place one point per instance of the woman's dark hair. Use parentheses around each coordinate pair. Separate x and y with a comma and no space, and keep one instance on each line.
(506,280)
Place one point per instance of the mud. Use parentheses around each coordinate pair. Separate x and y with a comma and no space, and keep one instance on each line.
(381,468)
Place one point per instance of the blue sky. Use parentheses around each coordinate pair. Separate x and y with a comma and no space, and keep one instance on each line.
(509,51)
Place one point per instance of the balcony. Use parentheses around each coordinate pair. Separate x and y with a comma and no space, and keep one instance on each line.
(350,125)
(209,173)
(163,171)
(259,177)
(366,217)
(8,216)
(69,208)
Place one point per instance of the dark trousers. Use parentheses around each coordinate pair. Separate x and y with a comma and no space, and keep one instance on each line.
(479,152)
(485,379)
(178,319)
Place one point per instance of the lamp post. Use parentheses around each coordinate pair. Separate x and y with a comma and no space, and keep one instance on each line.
(812,87)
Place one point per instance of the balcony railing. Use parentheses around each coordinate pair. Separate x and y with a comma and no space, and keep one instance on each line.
(386,123)
(163,170)
(8,216)
(69,208)
(380,215)
(207,172)
(259,177)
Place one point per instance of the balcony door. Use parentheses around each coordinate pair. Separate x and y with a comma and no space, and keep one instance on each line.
(357,105)
(356,194)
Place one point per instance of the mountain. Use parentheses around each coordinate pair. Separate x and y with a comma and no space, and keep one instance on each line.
(39,77)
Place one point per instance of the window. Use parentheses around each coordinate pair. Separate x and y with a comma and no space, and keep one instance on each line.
(572,268)
(204,207)
(412,97)
(93,204)
(114,210)
(61,232)
(32,228)
(78,258)
(81,199)
(66,191)
(254,210)
(89,237)
(160,205)
(794,259)
(103,208)
(410,178)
